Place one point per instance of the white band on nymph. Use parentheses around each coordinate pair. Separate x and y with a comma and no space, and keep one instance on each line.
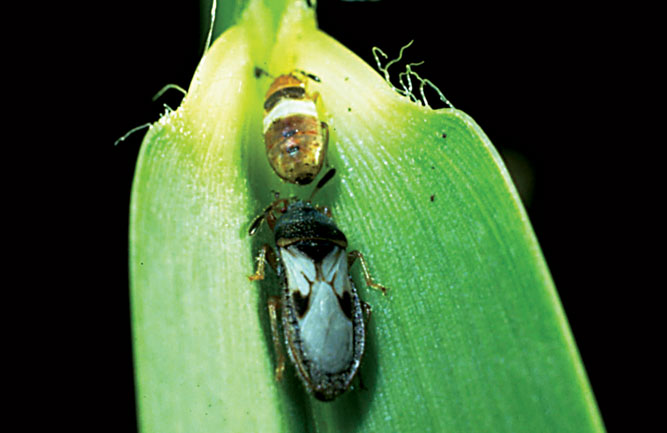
(289,107)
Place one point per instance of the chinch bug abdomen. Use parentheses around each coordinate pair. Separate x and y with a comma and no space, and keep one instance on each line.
(296,140)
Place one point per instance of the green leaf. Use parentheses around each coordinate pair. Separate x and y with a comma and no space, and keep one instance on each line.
(471,336)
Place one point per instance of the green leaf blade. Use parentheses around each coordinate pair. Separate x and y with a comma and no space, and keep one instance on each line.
(195,353)
(471,336)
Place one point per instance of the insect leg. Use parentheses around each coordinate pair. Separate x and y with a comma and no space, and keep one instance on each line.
(265,254)
(323,209)
(351,257)
(368,311)
(270,217)
(361,382)
(325,132)
(273,305)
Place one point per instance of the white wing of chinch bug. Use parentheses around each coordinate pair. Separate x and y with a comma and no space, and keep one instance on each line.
(327,335)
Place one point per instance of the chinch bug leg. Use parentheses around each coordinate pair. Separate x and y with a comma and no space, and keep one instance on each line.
(325,130)
(265,254)
(325,210)
(273,305)
(361,382)
(268,215)
(351,257)
(368,310)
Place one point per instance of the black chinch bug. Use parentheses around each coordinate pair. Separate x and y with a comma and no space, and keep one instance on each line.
(322,314)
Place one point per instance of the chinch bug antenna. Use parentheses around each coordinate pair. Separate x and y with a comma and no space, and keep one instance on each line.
(259,72)
(327,177)
(309,75)
(258,220)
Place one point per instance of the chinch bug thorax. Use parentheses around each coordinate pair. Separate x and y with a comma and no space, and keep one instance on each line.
(296,140)
(322,314)
(303,224)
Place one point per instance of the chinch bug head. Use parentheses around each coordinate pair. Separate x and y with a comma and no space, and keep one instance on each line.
(298,215)
(288,83)
(291,82)
(303,222)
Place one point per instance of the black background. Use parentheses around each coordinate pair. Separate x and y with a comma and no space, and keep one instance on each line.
(544,82)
